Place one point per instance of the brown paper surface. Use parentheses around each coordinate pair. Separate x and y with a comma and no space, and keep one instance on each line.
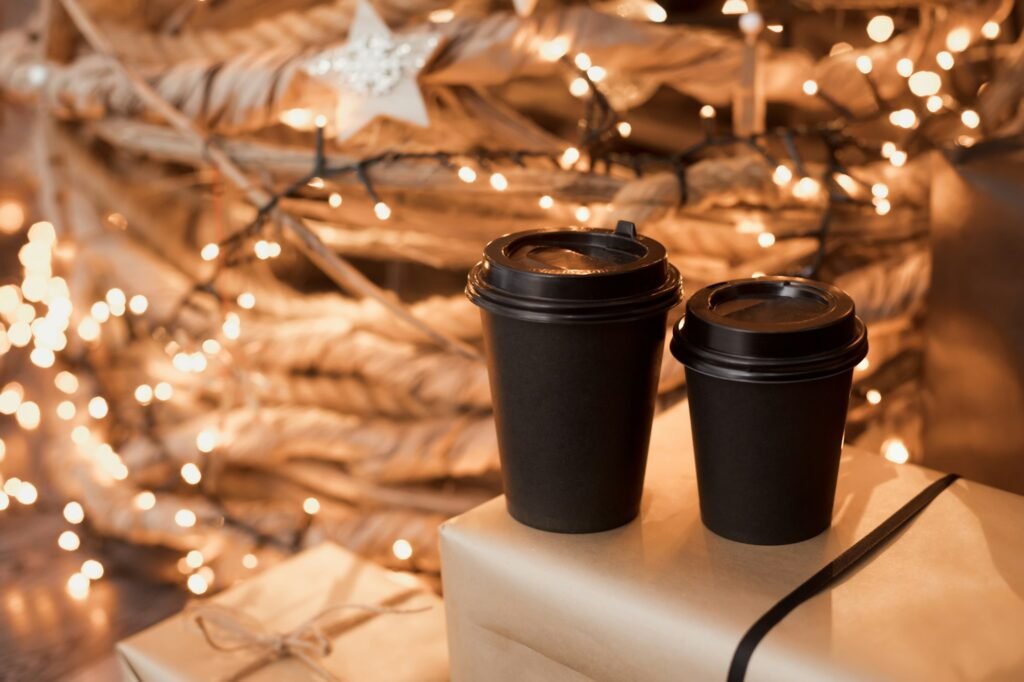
(389,647)
(665,599)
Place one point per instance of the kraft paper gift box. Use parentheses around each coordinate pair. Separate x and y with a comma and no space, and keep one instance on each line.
(665,599)
(391,647)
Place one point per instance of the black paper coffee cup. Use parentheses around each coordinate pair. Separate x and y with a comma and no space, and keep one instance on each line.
(574,325)
(769,365)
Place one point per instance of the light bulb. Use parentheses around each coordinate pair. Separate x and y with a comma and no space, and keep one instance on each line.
(73,512)
(925,83)
(864,64)
(402,549)
(970,118)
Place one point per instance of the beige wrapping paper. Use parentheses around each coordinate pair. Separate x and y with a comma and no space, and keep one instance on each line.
(388,647)
(664,599)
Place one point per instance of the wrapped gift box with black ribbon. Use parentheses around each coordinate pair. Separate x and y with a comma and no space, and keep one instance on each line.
(940,597)
(324,614)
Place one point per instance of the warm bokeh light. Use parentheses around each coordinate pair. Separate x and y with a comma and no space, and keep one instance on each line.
(73,512)
(197,584)
(78,586)
(924,83)
(194,559)
(311,505)
(144,500)
(402,549)
(69,541)
(959,39)
(191,474)
(92,569)
(880,28)
(499,182)
(895,450)
(186,518)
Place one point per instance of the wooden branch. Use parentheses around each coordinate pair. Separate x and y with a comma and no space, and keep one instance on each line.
(340,271)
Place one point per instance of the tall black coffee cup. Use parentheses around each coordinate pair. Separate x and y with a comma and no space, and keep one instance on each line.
(574,322)
(769,364)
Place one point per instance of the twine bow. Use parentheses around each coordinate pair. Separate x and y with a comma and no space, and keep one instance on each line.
(229,629)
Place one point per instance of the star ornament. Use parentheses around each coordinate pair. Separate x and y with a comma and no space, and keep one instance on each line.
(374,73)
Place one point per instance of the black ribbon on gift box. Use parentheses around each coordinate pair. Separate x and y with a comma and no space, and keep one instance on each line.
(834,571)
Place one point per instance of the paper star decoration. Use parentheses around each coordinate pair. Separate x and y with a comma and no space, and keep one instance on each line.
(374,73)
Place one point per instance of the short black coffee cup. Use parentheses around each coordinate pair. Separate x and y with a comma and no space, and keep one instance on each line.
(574,326)
(769,365)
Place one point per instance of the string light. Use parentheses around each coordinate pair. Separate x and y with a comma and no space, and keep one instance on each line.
(11,485)
(206,440)
(26,493)
(806,188)
(10,397)
(970,118)
(655,12)
(311,505)
(144,394)
(19,334)
(250,561)
(782,175)
(186,518)
(78,586)
(903,118)
(848,184)
(945,60)
(546,202)
(895,450)
(232,327)
(582,61)
(211,346)
(624,128)
(553,50)
(880,190)
(898,158)
(194,559)
(467,174)
(569,157)
(881,28)
(5,501)
(441,16)
(905,67)
(98,407)
(882,206)
(92,569)
(775,28)
(863,365)
(73,512)
(191,474)
(68,541)
(582,213)
(499,182)
(28,415)
(874,396)
(197,584)
(80,435)
(382,210)
(100,311)
(42,357)
(579,87)
(163,391)
(735,7)
(138,304)
(707,112)
(810,87)
(597,73)
(12,216)
(262,249)
(88,329)
(990,29)
(925,83)
(144,500)
(864,64)
(402,549)
(209,252)
(765,239)
(246,300)
(959,39)
(933,103)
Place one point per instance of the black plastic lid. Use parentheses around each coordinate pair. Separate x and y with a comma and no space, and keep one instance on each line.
(575,275)
(770,329)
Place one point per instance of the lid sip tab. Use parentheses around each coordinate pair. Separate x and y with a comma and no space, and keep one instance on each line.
(575,275)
